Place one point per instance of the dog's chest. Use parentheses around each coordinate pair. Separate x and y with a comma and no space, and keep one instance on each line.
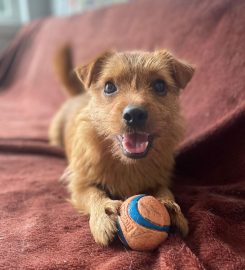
(121,183)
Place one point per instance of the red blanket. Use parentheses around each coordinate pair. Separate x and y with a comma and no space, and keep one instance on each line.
(39,229)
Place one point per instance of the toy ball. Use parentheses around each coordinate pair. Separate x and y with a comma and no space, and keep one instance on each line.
(143,223)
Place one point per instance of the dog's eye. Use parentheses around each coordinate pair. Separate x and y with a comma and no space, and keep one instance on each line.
(159,87)
(110,88)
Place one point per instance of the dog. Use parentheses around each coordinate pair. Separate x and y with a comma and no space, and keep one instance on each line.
(119,128)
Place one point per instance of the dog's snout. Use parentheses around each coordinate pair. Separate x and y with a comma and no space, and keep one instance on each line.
(135,116)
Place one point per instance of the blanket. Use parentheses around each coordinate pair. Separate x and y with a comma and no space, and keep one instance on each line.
(39,229)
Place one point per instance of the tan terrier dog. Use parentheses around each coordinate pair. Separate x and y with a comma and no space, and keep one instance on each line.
(119,130)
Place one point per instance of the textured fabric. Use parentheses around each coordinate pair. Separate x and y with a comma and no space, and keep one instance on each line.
(38,228)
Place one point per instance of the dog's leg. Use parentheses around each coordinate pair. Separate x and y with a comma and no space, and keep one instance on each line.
(102,210)
(177,218)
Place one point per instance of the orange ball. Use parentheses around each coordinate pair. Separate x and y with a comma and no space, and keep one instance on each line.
(143,223)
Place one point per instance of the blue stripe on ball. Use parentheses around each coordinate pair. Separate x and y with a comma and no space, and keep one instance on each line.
(120,234)
(135,215)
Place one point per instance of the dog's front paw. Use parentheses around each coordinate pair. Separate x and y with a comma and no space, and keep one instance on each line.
(112,207)
(103,222)
(177,218)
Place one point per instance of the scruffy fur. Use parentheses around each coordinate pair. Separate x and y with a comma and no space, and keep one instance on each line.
(99,175)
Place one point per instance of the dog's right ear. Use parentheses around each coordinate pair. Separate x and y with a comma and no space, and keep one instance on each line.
(181,71)
(90,72)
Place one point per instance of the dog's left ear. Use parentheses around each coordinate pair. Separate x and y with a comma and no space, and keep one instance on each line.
(89,73)
(182,72)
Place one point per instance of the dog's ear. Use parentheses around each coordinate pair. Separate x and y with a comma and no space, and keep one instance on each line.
(181,71)
(89,73)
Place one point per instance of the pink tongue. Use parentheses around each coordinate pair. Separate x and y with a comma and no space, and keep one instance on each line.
(135,143)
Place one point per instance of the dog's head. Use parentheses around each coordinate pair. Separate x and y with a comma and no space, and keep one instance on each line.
(134,100)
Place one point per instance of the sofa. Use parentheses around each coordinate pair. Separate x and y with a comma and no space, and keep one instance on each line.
(39,229)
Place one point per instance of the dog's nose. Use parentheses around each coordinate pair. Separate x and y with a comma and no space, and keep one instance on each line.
(135,116)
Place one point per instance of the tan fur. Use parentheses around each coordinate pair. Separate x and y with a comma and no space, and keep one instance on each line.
(63,66)
(100,176)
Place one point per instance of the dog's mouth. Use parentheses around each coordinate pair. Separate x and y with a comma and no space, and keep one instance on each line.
(136,144)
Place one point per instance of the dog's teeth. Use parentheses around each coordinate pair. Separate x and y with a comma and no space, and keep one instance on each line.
(146,144)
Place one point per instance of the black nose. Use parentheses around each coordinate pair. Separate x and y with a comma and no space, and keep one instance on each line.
(135,116)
